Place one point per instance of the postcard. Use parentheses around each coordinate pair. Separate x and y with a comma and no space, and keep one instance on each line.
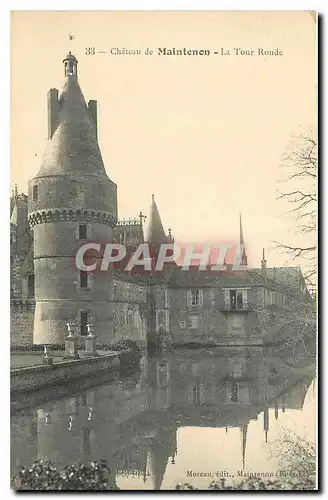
(163,250)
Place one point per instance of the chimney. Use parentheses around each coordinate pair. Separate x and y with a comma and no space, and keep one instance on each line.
(263,268)
(92,106)
(53,107)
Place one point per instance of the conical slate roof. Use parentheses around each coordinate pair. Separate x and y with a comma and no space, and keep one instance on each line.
(156,234)
(73,147)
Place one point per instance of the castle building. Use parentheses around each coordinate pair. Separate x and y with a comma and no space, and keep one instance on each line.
(72,201)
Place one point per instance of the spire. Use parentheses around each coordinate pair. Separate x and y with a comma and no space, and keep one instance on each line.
(244,442)
(241,236)
(72,146)
(266,423)
(243,256)
(156,234)
(158,457)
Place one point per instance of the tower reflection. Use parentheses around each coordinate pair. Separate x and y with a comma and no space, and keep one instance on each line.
(132,423)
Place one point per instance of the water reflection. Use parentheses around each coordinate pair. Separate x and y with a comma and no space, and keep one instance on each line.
(158,422)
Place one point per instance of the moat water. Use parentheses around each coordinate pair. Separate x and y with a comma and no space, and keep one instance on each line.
(193,416)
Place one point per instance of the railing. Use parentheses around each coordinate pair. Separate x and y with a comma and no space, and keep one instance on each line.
(129,222)
(236,307)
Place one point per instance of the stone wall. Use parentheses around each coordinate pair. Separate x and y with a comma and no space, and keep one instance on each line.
(21,323)
(165,312)
(130,310)
(129,316)
(37,377)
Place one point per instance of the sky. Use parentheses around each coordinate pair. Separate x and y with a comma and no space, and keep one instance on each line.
(206,135)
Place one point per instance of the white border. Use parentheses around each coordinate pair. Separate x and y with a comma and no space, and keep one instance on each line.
(5,9)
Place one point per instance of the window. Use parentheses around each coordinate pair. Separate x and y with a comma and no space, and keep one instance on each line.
(195,298)
(269,297)
(196,394)
(234,393)
(236,299)
(194,321)
(30,286)
(130,319)
(35,193)
(84,322)
(236,370)
(83,279)
(82,231)
(182,325)
(166,298)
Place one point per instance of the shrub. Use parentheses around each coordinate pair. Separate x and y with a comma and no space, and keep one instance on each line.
(45,476)
(36,347)
(251,484)
(122,345)
(127,344)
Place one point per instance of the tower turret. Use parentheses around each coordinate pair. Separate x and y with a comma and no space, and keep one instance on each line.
(71,201)
(70,65)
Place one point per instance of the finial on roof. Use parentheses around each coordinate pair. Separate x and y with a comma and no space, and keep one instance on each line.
(263,255)
(142,218)
(70,64)
(15,191)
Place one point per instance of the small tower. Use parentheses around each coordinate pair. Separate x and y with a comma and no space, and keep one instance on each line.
(71,202)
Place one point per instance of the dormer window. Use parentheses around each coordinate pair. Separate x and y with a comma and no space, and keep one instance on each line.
(35,192)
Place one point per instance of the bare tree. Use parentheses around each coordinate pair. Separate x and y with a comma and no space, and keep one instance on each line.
(300,165)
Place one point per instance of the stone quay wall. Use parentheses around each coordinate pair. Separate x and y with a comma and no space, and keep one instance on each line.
(61,373)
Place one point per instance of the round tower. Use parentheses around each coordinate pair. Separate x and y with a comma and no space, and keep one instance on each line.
(71,202)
